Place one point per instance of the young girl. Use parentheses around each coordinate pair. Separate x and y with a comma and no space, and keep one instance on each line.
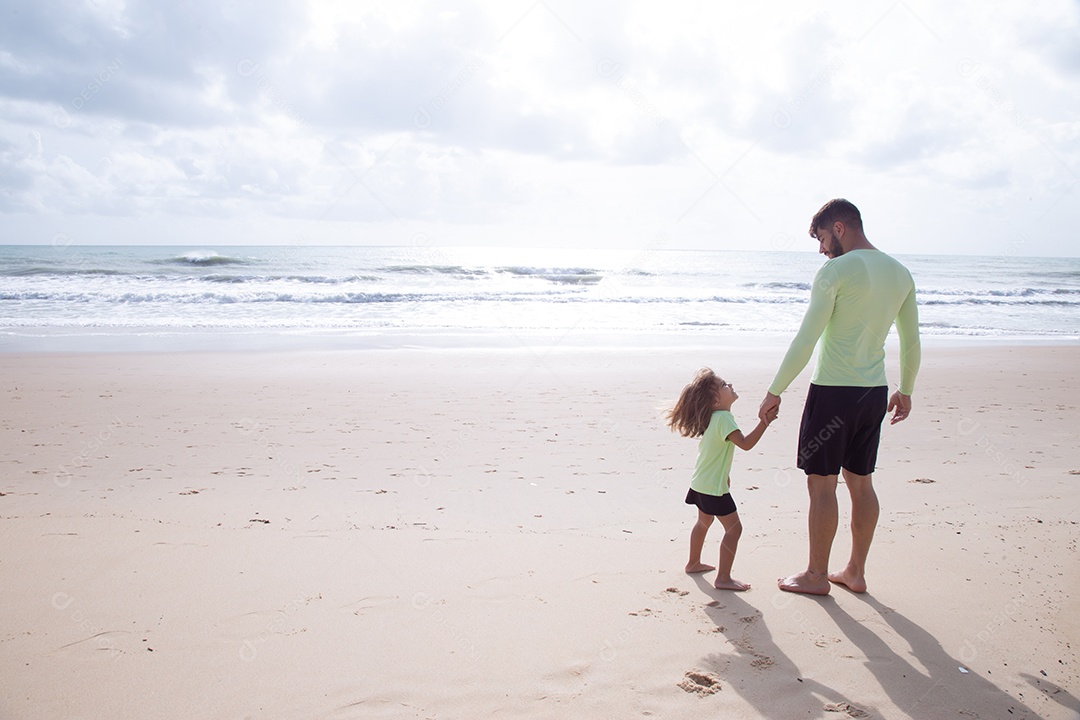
(704,410)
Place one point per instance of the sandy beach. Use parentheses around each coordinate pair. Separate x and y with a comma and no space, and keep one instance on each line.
(501,533)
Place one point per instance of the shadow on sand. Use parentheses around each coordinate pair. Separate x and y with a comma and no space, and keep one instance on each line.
(931,687)
(1056,693)
(744,627)
(936,686)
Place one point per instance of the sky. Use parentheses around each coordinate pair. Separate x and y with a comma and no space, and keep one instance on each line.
(955,127)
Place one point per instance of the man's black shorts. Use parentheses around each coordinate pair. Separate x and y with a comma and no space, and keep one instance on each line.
(841,428)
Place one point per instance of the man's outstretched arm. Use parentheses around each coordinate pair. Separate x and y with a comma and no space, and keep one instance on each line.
(822,302)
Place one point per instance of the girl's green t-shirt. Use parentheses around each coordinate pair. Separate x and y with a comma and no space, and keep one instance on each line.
(715,453)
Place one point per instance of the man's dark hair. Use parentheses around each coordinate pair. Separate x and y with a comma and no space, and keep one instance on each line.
(834,210)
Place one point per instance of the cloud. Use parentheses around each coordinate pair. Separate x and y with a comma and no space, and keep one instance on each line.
(142,62)
(1048,33)
(571,119)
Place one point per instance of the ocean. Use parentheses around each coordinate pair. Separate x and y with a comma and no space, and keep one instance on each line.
(153,297)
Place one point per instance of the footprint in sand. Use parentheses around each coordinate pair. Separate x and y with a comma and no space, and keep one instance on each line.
(108,641)
(699,683)
(372,602)
(846,708)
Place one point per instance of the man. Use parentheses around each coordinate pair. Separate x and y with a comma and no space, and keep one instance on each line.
(857,295)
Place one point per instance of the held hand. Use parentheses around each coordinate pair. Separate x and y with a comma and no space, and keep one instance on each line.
(902,403)
(771,404)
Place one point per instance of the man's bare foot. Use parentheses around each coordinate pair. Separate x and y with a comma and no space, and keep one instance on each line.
(854,583)
(698,568)
(730,584)
(807,583)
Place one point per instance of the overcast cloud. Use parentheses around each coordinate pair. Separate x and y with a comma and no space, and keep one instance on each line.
(955,128)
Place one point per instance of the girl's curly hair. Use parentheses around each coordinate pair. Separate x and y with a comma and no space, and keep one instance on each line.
(694,408)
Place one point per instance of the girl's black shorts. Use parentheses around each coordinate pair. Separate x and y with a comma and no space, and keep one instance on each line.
(717,505)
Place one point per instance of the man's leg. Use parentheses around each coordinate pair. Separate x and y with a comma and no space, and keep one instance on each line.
(864,517)
(822,523)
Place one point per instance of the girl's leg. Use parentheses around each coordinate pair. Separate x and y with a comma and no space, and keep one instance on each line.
(728,546)
(697,541)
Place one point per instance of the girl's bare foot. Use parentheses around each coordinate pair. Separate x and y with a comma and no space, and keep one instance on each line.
(730,584)
(854,583)
(698,567)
